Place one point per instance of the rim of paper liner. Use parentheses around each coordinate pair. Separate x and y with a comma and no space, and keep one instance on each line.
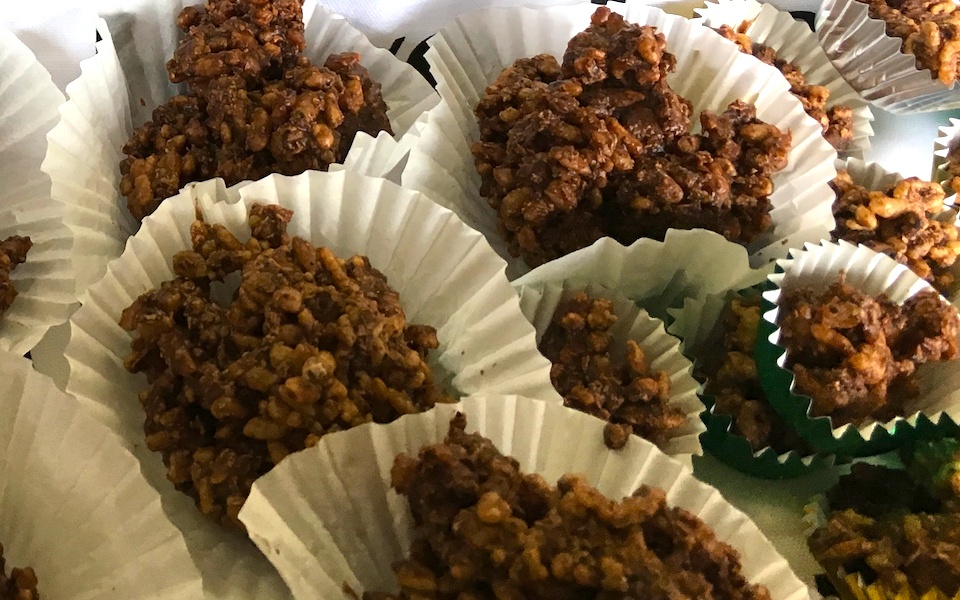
(694,325)
(125,81)
(872,63)
(44,283)
(656,275)
(296,513)
(468,54)
(948,135)
(28,109)
(662,350)
(873,176)
(794,41)
(74,505)
(938,406)
(453,281)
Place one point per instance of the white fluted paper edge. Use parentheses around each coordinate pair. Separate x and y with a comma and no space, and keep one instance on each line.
(28,110)
(446,274)
(73,504)
(657,275)
(468,55)
(539,303)
(872,273)
(297,513)
(872,63)
(795,42)
(947,137)
(119,88)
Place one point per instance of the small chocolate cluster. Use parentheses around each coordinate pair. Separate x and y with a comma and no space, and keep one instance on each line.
(930,30)
(627,393)
(309,344)
(485,530)
(600,145)
(898,529)
(857,355)
(255,106)
(836,120)
(13,252)
(21,584)
(906,220)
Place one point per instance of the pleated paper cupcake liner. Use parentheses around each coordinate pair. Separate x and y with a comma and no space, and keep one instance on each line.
(467,55)
(949,137)
(539,302)
(73,504)
(656,275)
(118,90)
(696,326)
(872,63)
(795,42)
(936,409)
(874,177)
(28,110)
(327,518)
(445,273)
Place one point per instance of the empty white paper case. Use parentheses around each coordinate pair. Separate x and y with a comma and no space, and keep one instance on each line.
(795,42)
(74,506)
(655,275)
(875,178)
(872,273)
(947,139)
(328,518)
(446,274)
(28,110)
(872,63)
(126,80)
(467,55)
(539,303)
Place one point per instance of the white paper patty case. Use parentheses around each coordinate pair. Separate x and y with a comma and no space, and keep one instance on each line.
(871,61)
(446,274)
(539,303)
(795,42)
(948,137)
(656,275)
(296,513)
(74,505)
(44,283)
(817,266)
(119,88)
(467,55)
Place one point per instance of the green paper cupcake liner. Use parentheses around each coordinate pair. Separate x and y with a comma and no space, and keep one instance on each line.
(695,324)
(934,414)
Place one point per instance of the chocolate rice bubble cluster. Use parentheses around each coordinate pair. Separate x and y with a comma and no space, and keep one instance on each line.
(308,345)
(254,105)
(600,145)
(483,529)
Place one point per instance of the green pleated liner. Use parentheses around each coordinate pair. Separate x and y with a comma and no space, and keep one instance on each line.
(937,409)
(539,303)
(696,325)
